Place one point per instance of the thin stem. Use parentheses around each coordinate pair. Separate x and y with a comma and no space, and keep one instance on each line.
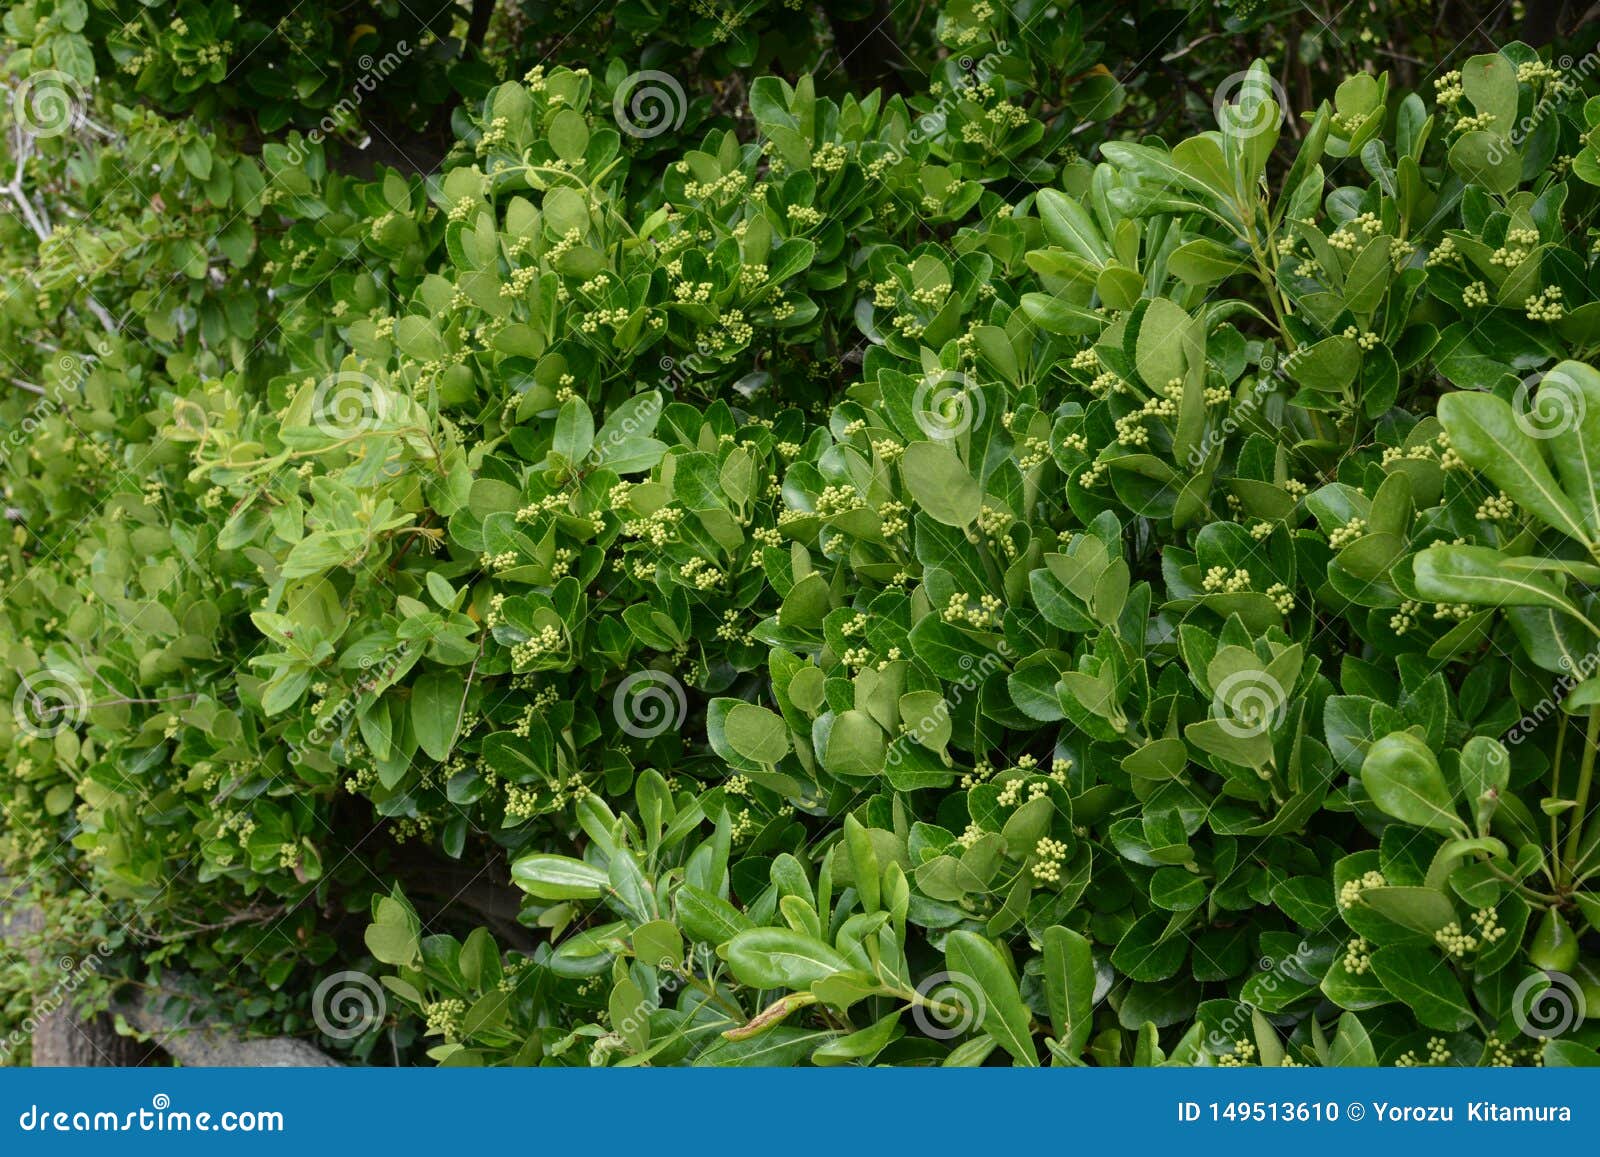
(1555,793)
(1524,889)
(124,702)
(1585,779)
(1267,274)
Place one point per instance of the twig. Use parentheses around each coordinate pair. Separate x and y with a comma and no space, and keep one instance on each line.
(247,916)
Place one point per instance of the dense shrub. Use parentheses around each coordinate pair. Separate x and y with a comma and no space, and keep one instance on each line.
(706,566)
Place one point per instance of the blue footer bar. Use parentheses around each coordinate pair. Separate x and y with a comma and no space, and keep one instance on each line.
(783,1111)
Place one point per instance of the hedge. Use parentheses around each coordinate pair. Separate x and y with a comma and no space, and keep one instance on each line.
(778,534)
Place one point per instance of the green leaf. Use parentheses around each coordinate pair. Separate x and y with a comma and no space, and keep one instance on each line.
(861,1045)
(1570,1054)
(1351,1047)
(1159,350)
(1069,225)
(436,701)
(1424,910)
(569,135)
(1158,759)
(940,484)
(1145,952)
(780,958)
(1489,159)
(1369,276)
(392,944)
(1566,411)
(1482,576)
(1422,979)
(1486,433)
(706,917)
(777,1047)
(1328,366)
(1403,778)
(574,435)
(417,337)
(1205,262)
(1163,168)
(856,746)
(806,604)
(756,733)
(1003,1015)
(1069,982)
(1490,83)
(553,877)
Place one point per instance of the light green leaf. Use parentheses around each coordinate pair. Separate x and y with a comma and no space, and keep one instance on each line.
(1486,433)
(1478,575)
(1566,411)
(1069,982)
(1069,225)
(780,958)
(1003,1015)
(941,484)
(552,877)
(756,733)
(1403,778)
(1351,1046)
